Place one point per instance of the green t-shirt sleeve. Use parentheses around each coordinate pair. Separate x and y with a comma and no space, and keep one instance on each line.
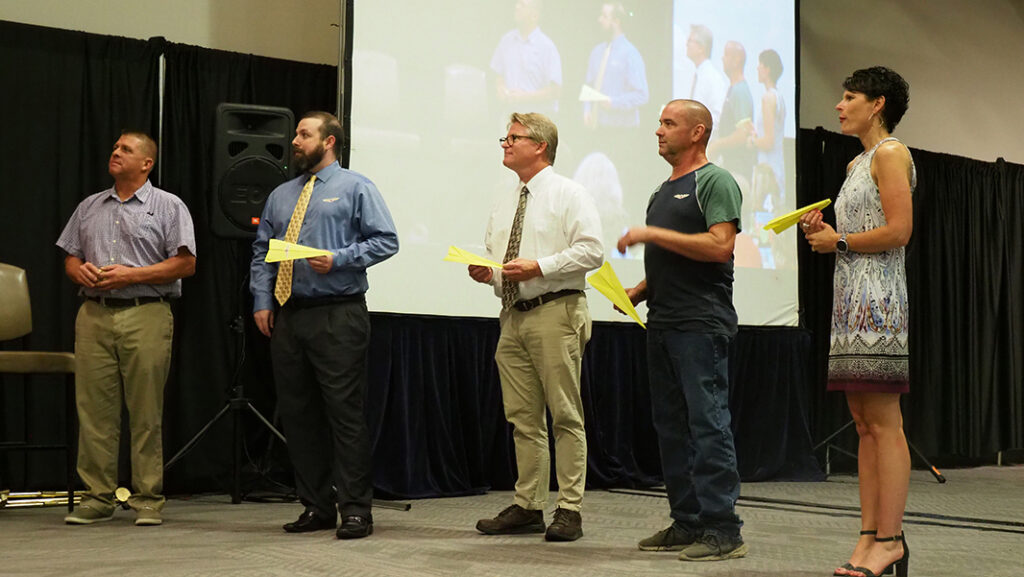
(719,196)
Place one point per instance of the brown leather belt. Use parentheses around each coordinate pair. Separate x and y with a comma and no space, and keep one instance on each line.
(527,305)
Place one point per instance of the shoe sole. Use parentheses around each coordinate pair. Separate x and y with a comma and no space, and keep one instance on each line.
(562,538)
(310,530)
(69,520)
(345,536)
(148,522)
(521,530)
(664,547)
(736,553)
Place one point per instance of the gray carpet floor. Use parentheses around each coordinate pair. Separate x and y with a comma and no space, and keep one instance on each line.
(972,525)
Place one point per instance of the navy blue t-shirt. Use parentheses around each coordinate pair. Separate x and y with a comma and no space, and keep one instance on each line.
(684,294)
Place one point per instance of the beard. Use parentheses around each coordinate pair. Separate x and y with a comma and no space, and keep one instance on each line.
(304,162)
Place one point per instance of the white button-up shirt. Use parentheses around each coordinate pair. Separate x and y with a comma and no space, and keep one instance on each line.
(561,231)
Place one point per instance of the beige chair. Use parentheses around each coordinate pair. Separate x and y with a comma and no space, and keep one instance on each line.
(15,323)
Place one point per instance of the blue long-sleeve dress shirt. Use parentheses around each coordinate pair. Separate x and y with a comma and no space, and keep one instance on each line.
(346,215)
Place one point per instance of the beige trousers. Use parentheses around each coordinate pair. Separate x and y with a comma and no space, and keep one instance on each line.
(121,353)
(539,356)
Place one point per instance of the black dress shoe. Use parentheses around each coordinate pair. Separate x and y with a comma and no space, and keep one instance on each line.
(355,527)
(309,521)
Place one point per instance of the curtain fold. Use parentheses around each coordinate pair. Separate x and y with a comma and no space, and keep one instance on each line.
(964,264)
(66,98)
(217,345)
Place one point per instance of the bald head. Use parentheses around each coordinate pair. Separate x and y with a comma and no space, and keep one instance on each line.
(734,58)
(692,113)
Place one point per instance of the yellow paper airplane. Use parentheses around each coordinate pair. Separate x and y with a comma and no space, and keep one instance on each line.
(456,254)
(787,220)
(607,283)
(280,250)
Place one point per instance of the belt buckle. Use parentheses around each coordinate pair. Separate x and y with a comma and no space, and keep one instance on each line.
(522,306)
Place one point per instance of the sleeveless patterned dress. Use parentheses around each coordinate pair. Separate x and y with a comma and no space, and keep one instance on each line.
(870,310)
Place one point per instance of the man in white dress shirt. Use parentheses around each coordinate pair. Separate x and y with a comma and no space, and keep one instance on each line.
(547,233)
(709,84)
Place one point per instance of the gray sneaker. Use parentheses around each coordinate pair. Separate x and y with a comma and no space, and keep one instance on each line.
(711,547)
(670,539)
(148,516)
(86,515)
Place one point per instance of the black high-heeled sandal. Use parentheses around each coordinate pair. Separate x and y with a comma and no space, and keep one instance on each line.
(901,565)
(849,567)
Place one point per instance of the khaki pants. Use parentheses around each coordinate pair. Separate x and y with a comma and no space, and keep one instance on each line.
(539,356)
(121,353)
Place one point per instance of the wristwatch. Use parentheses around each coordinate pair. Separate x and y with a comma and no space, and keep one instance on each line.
(841,245)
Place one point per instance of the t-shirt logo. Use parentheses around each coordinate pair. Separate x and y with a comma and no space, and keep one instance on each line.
(336,198)
(682,196)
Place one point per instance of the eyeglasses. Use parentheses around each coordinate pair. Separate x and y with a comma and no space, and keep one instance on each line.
(512,138)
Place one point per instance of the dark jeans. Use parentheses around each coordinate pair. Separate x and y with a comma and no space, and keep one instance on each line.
(319,356)
(689,374)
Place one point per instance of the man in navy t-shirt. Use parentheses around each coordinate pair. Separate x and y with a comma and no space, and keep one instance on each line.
(692,221)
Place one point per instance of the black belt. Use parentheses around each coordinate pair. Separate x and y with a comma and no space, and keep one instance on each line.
(125,303)
(535,302)
(305,303)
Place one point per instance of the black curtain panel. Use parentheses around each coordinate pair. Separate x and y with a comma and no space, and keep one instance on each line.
(964,265)
(217,347)
(66,98)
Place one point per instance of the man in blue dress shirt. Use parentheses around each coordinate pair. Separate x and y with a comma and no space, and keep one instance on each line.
(616,70)
(314,311)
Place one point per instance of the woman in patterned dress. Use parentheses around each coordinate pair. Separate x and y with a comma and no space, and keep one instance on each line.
(868,355)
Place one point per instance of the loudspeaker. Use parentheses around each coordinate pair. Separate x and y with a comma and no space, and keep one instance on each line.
(251,154)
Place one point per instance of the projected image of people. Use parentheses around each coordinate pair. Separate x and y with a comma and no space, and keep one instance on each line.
(709,86)
(616,75)
(600,69)
(527,63)
(753,134)
(767,137)
(728,147)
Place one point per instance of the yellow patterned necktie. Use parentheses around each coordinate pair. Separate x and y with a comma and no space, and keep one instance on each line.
(283,286)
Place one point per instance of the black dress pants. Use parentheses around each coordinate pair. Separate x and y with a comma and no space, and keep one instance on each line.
(319,357)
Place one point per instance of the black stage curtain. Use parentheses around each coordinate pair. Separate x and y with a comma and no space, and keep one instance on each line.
(211,353)
(439,429)
(964,266)
(66,97)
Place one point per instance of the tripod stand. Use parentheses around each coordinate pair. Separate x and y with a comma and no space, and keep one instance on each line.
(237,405)
(829,447)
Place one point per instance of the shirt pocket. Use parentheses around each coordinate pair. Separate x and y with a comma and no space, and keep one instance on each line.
(140,226)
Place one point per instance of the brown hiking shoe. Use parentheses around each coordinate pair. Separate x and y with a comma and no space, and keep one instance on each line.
(514,520)
(567,526)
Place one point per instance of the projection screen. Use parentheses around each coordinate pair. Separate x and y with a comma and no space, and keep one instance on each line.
(433,85)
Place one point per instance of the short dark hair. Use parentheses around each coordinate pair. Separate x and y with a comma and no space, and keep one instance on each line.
(773,62)
(148,144)
(329,126)
(881,81)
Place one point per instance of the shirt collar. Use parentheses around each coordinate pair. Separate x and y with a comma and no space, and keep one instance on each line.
(538,179)
(328,171)
(142,194)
